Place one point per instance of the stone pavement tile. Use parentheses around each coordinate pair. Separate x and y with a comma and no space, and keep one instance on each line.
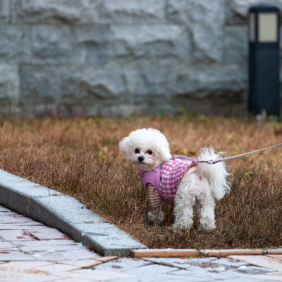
(102,275)
(243,279)
(50,248)
(203,274)
(7,246)
(82,254)
(105,259)
(14,219)
(51,269)
(82,263)
(148,270)
(13,226)
(200,269)
(23,266)
(122,265)
(198,274)
(210,263)
(69,279)
(210,273)
(36,244)
(25,277)
(166,278)
(263,261)
(195,274)
(12,235)
(91,275)
(6,213)
(46,233)
(14,255)
(254,270)
(45,256)
(222,270)
(273,276)
(38,268)
(58,256)
(189,278)
(275,256)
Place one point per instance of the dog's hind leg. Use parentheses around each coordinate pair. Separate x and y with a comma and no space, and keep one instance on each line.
(183,209)
(205,211)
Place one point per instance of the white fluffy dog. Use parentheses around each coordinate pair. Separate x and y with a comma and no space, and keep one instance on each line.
(196,184)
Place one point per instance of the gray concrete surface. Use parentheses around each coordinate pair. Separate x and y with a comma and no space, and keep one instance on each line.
(30,251)
(74,219)
(66,214)
(176,269)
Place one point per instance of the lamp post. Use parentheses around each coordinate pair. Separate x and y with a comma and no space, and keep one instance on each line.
(264,60)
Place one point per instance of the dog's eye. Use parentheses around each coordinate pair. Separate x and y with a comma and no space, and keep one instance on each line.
(137,151)
(150,152)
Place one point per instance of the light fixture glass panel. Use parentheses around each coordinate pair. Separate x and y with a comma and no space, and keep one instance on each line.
(267,28)
(252,30)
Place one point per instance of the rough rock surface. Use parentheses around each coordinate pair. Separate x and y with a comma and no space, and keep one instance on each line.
(15,44)
(4,11)
(118,57)
(237,10)
(235,42)
(204,19)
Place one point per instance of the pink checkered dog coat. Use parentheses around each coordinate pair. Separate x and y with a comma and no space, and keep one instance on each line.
(166,177)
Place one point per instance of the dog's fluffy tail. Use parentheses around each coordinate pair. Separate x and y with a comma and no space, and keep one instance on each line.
(216,174)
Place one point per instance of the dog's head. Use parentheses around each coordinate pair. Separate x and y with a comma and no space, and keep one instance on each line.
(146,148)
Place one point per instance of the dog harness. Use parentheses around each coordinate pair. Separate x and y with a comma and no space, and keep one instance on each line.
(167,176)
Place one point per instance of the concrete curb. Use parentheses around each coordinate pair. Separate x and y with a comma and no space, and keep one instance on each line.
(65,214)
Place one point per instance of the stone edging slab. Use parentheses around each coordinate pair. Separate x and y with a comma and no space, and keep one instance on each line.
(66,214)
(189,253)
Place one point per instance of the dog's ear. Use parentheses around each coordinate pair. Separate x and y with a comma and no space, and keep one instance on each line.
(165,153)
(123,144)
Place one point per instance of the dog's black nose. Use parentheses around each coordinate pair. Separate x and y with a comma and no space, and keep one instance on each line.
(140,159)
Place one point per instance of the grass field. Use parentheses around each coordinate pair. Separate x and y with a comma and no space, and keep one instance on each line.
(81,157)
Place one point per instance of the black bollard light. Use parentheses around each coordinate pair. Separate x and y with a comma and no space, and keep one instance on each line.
(264,60)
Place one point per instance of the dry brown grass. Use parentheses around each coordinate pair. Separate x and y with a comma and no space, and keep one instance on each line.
(81,157)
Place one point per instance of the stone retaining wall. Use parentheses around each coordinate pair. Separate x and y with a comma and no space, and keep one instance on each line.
(122,57)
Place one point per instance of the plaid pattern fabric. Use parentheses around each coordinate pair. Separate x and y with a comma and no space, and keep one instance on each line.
(171,173)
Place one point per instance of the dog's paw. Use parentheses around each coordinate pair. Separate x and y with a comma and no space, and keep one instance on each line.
(155,216)
(207,225)
(206,230)
(177,227)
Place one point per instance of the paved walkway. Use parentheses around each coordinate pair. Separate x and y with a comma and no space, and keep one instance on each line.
(30,251)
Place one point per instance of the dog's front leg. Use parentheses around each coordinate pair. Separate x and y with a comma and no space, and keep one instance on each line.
(155,214)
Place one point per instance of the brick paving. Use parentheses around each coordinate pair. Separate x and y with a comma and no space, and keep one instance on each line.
(30,251)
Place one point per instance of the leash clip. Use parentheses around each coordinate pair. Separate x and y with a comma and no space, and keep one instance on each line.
(210,161)
(214,161)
